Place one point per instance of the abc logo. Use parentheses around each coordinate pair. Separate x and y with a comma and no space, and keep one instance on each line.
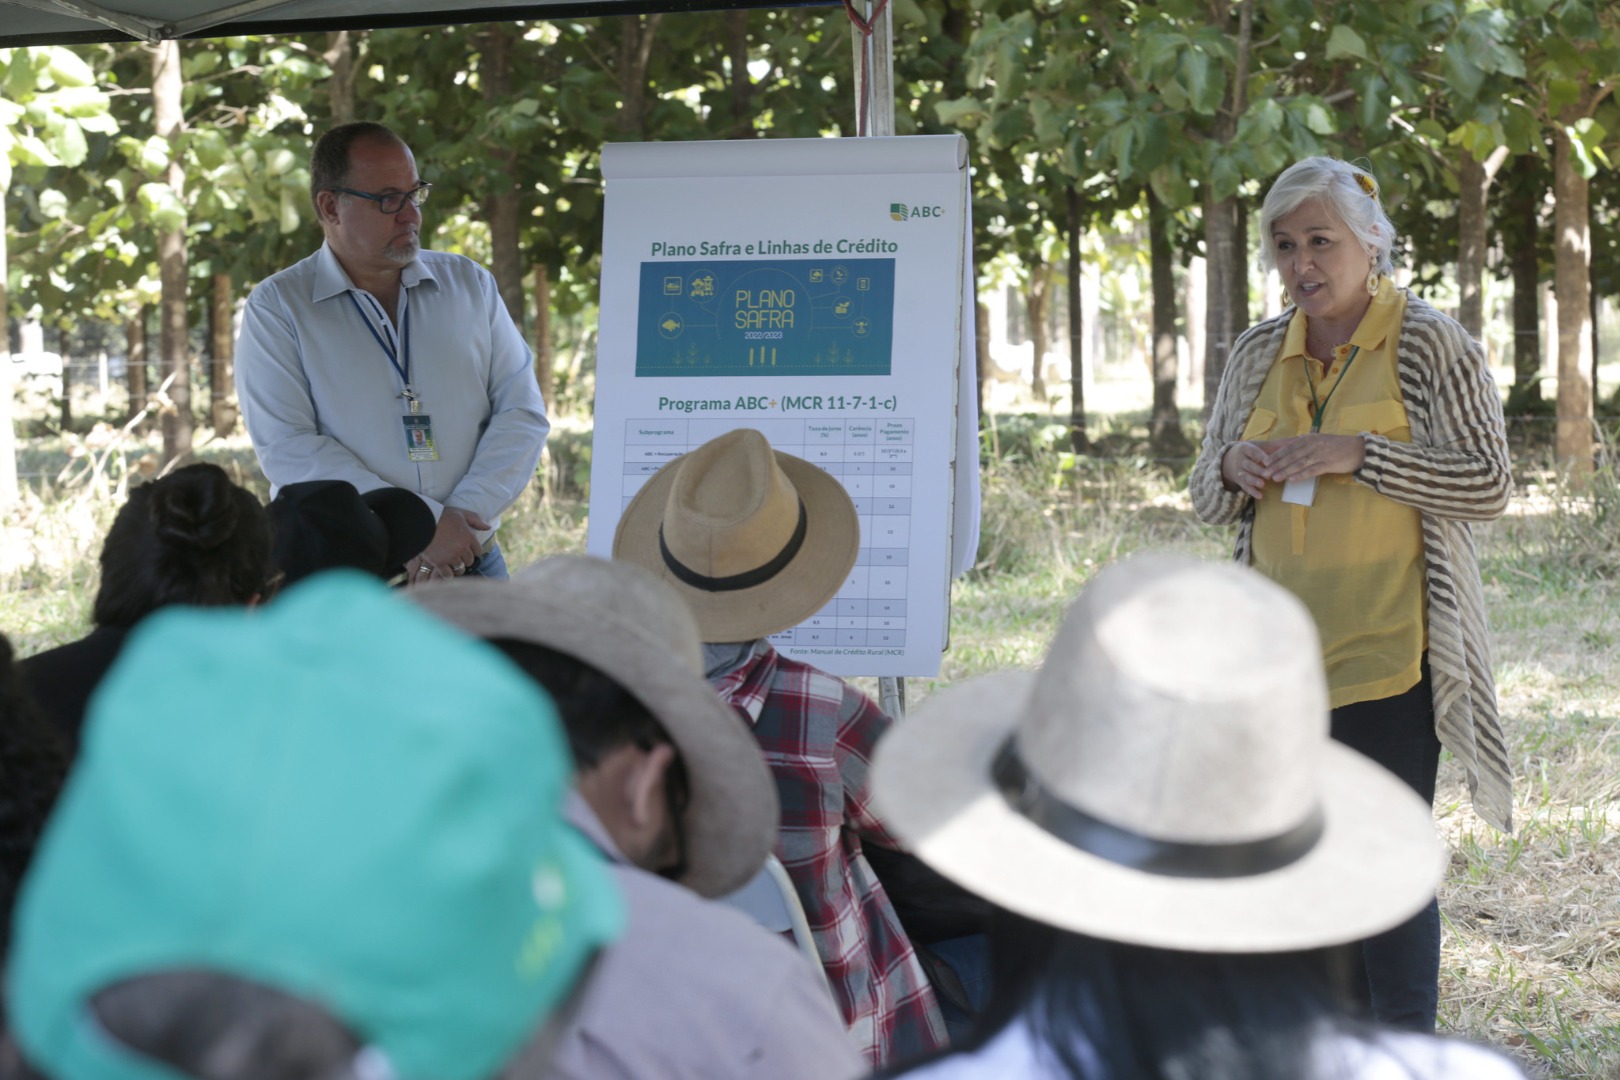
(902,212)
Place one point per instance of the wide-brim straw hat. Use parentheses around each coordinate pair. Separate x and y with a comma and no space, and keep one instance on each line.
(754,540)
(1165,779)
(629,626)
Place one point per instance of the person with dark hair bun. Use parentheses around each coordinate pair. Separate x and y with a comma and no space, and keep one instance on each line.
(192,537)
(33,761)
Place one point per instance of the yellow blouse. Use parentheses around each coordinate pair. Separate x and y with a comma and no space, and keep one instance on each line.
(1353,556)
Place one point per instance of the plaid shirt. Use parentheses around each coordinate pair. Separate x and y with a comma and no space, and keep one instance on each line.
(817,734)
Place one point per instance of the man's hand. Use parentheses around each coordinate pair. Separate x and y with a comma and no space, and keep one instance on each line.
(453,548)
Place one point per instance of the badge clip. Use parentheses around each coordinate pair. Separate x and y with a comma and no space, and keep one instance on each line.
(1300,492)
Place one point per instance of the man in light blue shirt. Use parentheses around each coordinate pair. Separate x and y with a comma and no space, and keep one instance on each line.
(376,362)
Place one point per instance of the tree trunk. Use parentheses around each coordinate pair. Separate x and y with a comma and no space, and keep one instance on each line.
(503,207)
(1079,440)
(742,83)
(1471,184)
(1225,221)
(1220,318)
(544,373)
(1474,178)
(66,423)
(168,120)
(136,361)
(339,57)
(636,33)
(1165,424)
(1572,258)
(503,212)
(1520,236)
(222,413)
(1035,303)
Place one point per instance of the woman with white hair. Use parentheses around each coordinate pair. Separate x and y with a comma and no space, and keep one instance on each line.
(1353,440)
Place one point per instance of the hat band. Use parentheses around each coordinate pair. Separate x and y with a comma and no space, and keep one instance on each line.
(1030,798)
(748,578)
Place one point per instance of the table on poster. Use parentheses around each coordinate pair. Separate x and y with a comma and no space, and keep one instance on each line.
(873,460)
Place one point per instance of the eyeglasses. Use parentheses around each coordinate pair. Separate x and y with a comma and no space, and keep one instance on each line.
(394,201)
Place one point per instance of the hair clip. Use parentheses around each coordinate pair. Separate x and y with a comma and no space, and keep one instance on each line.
(1367,184)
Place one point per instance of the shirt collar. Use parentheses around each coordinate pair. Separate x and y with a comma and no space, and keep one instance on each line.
(722,658)
(746,686)
(331,280)
(1371,333)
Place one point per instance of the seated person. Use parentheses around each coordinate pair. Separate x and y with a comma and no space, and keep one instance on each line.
(756,541)
(1176,845)
(327,524)
(266,798)
(33,764)
(191,537)
(671,789)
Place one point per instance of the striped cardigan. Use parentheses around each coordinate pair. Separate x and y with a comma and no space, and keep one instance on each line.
(1455,471)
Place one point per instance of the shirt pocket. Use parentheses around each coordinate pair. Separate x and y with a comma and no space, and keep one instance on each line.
(1386,418)
(1261,423)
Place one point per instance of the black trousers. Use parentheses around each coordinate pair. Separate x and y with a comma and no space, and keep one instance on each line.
(1402,965)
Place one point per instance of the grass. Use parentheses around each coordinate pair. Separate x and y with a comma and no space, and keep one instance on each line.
(1531,955)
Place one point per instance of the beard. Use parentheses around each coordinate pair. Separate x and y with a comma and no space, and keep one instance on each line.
(403,252)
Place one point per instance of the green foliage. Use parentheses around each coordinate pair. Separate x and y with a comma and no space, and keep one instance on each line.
(50,109)
(1103,99)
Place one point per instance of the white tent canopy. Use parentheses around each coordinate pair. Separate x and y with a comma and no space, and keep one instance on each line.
(79,22)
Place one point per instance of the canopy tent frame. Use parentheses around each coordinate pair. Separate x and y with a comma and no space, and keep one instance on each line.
(84,22)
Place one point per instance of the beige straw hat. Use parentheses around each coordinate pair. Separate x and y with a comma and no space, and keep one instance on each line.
(754,540)
(629,626)
(1165,779)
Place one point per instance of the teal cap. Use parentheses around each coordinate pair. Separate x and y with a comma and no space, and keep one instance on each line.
(338,796)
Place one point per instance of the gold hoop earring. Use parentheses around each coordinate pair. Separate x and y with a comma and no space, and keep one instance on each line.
(1287,301)
(1373,280)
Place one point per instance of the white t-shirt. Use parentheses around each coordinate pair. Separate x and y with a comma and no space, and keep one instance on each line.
(1015,1055)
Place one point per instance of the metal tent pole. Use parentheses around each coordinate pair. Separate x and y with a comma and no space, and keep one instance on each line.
(874,60)
(878,51)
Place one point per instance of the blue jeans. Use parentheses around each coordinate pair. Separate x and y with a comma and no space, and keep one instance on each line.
(1401,965)
(491,564)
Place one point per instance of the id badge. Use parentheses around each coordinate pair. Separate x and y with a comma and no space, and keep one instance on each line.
(1300,492)
(419,438)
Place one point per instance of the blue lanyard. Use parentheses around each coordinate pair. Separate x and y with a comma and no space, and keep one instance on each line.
(393,357)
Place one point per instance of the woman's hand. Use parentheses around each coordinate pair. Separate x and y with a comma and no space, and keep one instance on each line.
(1244,467)
(1306,456)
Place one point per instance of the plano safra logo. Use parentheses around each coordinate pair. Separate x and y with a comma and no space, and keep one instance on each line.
(899,211)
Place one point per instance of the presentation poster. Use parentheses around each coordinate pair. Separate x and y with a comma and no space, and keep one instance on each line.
(766,318)
(811,289)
